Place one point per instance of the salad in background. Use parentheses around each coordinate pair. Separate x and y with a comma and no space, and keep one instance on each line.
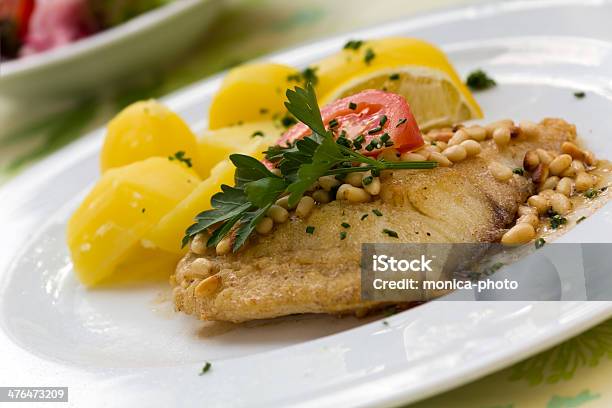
(33,26)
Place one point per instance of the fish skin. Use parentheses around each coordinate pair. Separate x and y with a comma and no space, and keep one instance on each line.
(290,271)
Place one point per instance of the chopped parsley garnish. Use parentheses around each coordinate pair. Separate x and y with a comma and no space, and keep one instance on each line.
(579,94)
(390,233)
(434,143)
(369,56)
(557,220)
(342,235)
(394,77)
(180,156)
(287,121)
(374,130)
(353,45)
(352,105)
(401,122)
(367,180)
(237,210)
(310,229)
(307,75)
(478,80)
(386,323)
(333,123)
(581,219)
(539,243)
(591,193)
(519,170)
(346,225)
(263,111)
(206,368)
(377,212)
(143,210)
(257,133)
(383,120)
(364,216)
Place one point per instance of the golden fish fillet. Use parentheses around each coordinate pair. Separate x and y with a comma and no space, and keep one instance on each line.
(290,271)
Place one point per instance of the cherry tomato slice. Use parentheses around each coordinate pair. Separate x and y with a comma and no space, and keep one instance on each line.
(368,115)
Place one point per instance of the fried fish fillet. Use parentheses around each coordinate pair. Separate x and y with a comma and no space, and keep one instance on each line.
(290,271)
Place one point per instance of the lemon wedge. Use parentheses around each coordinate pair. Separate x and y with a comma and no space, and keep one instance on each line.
(251,93)
(410,67)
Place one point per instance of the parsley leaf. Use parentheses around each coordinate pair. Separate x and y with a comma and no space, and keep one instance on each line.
(479,80)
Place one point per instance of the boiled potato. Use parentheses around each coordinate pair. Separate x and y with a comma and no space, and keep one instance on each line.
(147,129)
(122,207)
(251,93)
(217,145)
(168,234)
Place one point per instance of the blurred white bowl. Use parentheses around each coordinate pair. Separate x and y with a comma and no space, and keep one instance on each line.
(147,40)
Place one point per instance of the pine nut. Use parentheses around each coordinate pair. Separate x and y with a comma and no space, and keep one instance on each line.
(539,203)
(265,226)
(502,136)
(224,246)
(374,187)
(455,153)
(560,203)
(471,147)
(352,194)
(529,129)
(500,171)
(304,206)
(544,156)
(328,182)
(321,196)
(440,159)
(584,181)
(276,172)
(519,234)
(540,174)
(442,145)
(440,136)
(432,149)
(565,186)
(573,150)
(589,158)
(354,179)
(411,157)
(208,286)
(460,136)
(477,133)
(550,183)
(546,194)
(577,166)
(531,160)
(508,123)
(284,202)
(390,155)
(199,268)
(526,210)
(559,164)
(198,244)
(278,213)
(529,219)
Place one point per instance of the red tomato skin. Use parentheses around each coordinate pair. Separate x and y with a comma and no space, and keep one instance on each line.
(371,106)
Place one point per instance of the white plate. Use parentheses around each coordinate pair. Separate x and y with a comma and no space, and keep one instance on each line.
(127,348)
(144,41)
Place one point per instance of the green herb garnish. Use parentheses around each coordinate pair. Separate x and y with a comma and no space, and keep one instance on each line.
(257,133)
(369,56)
(238,210)
(342,235)
(518,170)
(352,105)
(394,77)
(401,122)
(581,219)
(307,75)
(310,229)
(390,233)
(539,243)
(557,220)
(367,180)
(591,193)
(478,80)
(377,212)
(346,225)
(206,368)
(353,45)
(180,156)
(579,94)
(364,216)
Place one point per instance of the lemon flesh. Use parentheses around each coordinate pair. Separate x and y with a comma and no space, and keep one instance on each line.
(427,80)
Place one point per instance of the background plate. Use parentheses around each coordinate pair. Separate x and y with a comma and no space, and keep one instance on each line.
(127,347)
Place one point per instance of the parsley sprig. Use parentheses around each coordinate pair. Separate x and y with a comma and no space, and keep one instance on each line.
(238,210)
